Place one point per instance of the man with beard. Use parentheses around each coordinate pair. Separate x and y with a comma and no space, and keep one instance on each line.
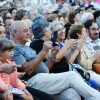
(93,41)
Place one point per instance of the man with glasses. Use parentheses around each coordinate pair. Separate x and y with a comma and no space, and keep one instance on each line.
(93,41)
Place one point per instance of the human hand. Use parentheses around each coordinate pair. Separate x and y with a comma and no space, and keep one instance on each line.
(71,43)
(27,93)
(83,38)
(9,68)
(80,43)
(55,50)
(20,74)
(25,82)
(47,46)
(7,95)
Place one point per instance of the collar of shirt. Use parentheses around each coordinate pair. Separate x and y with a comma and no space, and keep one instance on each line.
(90,40)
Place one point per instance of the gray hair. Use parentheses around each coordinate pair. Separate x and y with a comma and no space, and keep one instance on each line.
(37,17)
(53,24)
(43,10)
(16,25)
(98,22)
(38,28)
(30,10)
(85,16)
(11,29)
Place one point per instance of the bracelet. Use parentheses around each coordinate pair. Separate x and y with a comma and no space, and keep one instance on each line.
(53,59)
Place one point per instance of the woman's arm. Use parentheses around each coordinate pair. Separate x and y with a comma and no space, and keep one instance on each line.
(73,55)
(75,51)
(68,44)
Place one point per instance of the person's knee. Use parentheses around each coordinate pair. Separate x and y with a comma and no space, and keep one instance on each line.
(72,74)
(30,98)
(71,94)
(68,94)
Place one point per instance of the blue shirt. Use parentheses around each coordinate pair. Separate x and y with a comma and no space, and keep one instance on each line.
(7,37)
(25,53)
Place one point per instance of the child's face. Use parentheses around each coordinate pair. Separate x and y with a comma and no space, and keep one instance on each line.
(8,54)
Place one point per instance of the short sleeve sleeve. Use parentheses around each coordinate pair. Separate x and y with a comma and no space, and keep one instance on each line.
(18,57)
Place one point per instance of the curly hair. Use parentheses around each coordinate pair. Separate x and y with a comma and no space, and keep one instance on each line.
(71,17)
(75,29)
(20,14)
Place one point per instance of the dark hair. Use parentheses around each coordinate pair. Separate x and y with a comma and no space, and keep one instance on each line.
(75,30)
(96,14)
(55,12)
(71,17)
(67,26)
(88,23)
(5,18)
(6,44)
(11,9)
(20,14)
(90,6)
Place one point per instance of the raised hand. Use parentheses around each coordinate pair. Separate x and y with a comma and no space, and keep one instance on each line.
(47,46)
(55,50)
(80,43)
(71,43)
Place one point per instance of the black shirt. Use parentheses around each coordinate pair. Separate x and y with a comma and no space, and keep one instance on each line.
(61,66)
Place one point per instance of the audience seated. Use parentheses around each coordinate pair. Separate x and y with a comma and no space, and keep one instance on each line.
(42,59)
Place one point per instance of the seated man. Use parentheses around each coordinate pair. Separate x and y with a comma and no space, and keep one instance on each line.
(62,85)
(93,41)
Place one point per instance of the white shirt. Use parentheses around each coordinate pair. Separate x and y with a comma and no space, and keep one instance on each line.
(95,5)
(93,46)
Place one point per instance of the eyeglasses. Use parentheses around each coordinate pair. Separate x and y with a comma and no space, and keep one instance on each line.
(94,29)
(61,30)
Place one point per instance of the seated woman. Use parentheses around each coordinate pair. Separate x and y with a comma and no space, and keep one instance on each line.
(44,34)
(83,55)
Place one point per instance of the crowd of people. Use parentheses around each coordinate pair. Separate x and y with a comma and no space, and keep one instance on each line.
(48,48)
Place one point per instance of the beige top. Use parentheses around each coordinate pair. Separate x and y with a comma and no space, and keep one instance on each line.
(84,58)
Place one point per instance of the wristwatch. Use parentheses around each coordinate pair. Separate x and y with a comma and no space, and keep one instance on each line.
(53,59)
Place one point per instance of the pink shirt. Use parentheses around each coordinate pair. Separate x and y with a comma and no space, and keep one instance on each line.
(7,79)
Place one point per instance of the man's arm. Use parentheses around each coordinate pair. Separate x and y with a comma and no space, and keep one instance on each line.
(8,68)
(35,63)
